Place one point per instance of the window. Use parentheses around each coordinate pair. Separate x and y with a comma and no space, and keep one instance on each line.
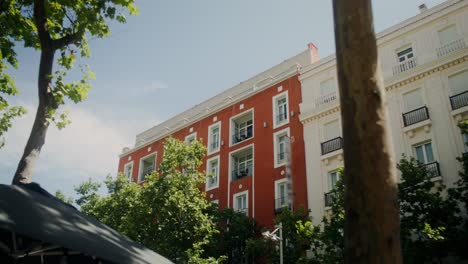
(128,171)
(281,194)
(448,35)
(242,163)
(280,109)
(458,83)
(191,138)
(147,166)
(424,153)
(212,180)
(333,178)
(405,54)
(241,202)
(331,130)
(214,138)
(242,127)
(413,100)
(281,147)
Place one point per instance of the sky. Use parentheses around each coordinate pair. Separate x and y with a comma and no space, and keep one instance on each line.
(172,56)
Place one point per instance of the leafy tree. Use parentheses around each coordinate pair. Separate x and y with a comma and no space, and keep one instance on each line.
(60,195)
(50,26)
(167,213)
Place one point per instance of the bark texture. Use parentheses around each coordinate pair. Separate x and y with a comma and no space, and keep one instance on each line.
(372,231)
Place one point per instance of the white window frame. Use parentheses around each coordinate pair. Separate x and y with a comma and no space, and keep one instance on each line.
(190,136)
(329,179)
(405,56)
(232,126)
(434,156)
(276,148)
(128,164)
(210,140)
(276,98)
(208,171)
(231,166)
(277,192)
(235,207)
(140,168)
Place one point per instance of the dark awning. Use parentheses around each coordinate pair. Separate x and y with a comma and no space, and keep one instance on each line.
(56,224)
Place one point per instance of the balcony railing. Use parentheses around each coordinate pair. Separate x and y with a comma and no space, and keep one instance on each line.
(242,172)
(415,116)
(450,47)
(282,202)
(404,66)
(332,145)
(433,169)
(329,198)
(240,136)
(325,99)
(459,100)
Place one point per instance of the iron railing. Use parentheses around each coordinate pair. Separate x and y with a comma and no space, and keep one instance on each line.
(459,100)
(433,169)
(325,99)
(329,196)
(242,172)
(415,116)
(282,202)
(239,137)
(332,145)
(450,47)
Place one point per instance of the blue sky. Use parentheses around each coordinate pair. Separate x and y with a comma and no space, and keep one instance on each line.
(172,56)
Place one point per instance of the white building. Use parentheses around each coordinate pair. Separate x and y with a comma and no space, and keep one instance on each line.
(424,62)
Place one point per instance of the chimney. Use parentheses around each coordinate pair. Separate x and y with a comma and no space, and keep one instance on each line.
(314,57)
(422,8)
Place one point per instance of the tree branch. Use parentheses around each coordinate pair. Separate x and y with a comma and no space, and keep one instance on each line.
(67,40)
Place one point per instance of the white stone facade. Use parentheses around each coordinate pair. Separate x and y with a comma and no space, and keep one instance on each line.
(424,63)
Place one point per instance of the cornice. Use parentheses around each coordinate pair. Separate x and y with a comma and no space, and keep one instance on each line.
(308,117)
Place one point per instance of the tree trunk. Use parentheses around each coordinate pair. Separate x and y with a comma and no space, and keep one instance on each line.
(36,139)
(372,231)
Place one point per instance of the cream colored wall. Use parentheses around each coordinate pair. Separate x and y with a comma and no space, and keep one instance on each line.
(430,75)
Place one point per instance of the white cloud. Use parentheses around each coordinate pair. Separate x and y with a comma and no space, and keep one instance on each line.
(154,86)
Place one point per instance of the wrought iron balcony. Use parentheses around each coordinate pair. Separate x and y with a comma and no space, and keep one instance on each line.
(450,47)
(242,172)
(332,145)
(240,136)
(433,169)
(325,99)
(415,116)
(405,66)
(459,100)
(282,202)
(329,198)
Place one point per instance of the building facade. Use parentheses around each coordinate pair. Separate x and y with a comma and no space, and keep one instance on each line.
(424,63)
(252,132)
(286,120)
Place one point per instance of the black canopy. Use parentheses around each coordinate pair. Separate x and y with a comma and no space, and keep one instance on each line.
(35,224)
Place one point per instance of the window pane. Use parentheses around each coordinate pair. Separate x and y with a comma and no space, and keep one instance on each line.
(420,154)
(429,154)
(413,100)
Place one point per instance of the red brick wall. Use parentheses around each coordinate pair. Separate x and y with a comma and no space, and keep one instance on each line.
(264,172)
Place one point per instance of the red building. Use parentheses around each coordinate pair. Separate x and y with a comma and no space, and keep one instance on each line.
(252,132)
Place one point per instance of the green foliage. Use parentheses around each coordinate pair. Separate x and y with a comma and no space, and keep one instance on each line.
(63,197)
(167,213)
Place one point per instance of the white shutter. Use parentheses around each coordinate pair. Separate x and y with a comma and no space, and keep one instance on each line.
(448,35)
(327,87)
(413,100)
(331,130)
(458,83)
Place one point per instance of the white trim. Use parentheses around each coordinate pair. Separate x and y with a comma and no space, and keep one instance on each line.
(234,202)
(231,125)
(194,135)
(130,163)
(275,110)
(217,124)
(155,153)
(208,171)
(275,146)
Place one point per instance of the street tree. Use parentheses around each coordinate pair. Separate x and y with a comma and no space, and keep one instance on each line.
(371,202)
(51,26)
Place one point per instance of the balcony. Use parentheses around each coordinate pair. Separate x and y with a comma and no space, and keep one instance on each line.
(404,66)
(433,169)
(244,210)
(450,47)
(415,116)
(329,198)
(459,100)
(282,202)
(332,145)
(325,99)
(242,172)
